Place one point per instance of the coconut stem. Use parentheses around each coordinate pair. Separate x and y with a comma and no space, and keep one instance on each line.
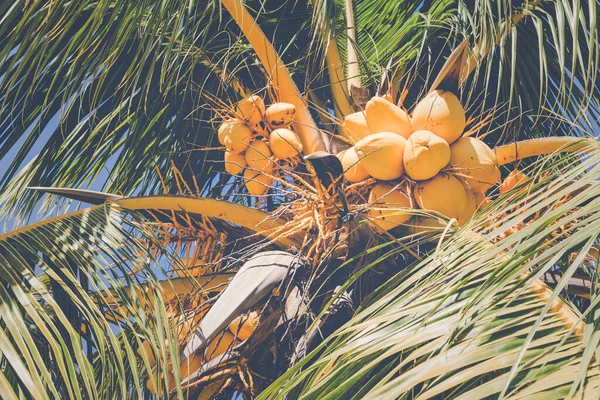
(304,125)
(534,147)
(256,220)
(335,70)
(352,59)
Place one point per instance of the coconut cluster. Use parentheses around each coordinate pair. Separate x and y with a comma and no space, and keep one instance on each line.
(443,171)
(256,138)
(239,330)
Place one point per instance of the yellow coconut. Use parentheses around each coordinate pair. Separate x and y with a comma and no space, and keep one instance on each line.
(444,193)
(389,206)
(441,113)
(285,143)
(146,350)
(150,382)
(476,162)
(191,365)
(425,155)
(244,325)
(235,136)
(593,254)
(353,168)
(383,116)
(251,109)
(388,97)
(515,178)
(258,156)
(280,115)
(381,154)
(222,128)
(187,323)
(219,345)
(234,163)
(355,126)
(257,183)
(481,200)
(469,210)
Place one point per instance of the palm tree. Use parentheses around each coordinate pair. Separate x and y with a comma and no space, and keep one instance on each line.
(177,282)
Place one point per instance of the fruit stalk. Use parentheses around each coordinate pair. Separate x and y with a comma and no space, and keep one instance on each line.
(251,218)
(534,147)
(304,125)
(335,69)
(352,59)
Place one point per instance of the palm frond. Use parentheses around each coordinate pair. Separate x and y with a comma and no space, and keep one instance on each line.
(472,320)
(58,339)
(541,64)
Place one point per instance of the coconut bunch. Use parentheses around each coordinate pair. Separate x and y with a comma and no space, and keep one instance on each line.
(421,160)
(256,139)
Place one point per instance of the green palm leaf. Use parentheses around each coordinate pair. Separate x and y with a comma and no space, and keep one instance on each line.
(468,321)
(60,341)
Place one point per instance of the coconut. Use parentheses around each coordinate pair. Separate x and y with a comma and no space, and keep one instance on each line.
(234,163)
(515,178)
(481,200)
(381,154)
(280,115)
(219,345)
(425,155)
(441,113)
(186,368)
(388,97)
(258,156)
(150,382)
(355,126)
(476,163)
(388,206)
(223,127)
(244,325)
(383,116)
(257,183)
(593,254)
(285,143)
(469,210)
(146,350)
(353,168)
(190,365)
(251,109)
(235,136)
(444,193)
(186,323)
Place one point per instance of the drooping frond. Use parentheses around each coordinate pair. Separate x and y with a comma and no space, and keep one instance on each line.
(539,59)
(61,340)
(471,320)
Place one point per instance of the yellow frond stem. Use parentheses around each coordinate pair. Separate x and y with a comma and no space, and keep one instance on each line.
(304,125)
(535,147)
